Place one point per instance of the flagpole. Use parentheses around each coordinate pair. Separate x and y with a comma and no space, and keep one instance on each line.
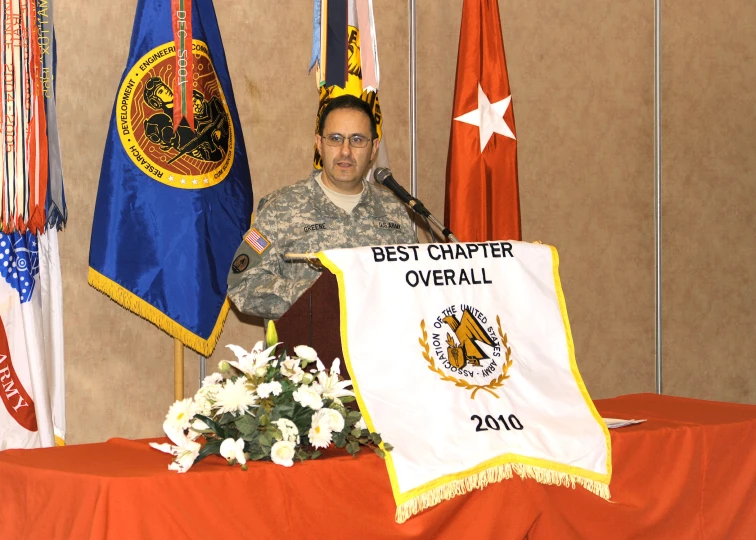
(178,370)
(657,190)
(413,101)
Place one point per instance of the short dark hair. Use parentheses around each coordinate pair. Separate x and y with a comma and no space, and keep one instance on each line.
(348,102)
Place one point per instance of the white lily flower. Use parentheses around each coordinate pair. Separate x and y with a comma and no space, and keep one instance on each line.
(330,418)
(235,397)
(233,450)
(266,389)
(336,366)
(163,447)
(253,361)
(282,453)
(308,397)
(180,414)
(184,449)
(319,365)
(290,366)
(306,353)
(199,425)
(331,386)
(288,429)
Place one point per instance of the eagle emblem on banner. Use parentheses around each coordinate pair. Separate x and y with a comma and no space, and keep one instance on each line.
(464,349)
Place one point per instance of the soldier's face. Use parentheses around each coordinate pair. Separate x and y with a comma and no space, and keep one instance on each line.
(164,93)
(344,166)
(197,105)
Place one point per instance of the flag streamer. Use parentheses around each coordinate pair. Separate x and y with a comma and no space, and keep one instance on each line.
(32,209)
(352,83)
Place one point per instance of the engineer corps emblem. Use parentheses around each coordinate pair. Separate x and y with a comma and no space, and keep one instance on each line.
(464,348)
(183,156)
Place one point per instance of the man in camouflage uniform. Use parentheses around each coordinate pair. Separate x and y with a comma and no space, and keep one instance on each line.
(335,208)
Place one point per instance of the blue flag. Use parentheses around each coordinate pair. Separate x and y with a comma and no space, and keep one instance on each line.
(175,195)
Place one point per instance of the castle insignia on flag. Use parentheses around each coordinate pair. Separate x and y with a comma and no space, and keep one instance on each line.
(470,353)
(258,242)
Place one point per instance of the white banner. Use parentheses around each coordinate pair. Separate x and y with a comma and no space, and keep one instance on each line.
(462,358)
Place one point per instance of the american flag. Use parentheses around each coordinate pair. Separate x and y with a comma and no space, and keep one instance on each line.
(258,242)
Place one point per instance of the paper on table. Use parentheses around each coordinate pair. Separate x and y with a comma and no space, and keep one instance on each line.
(613,423)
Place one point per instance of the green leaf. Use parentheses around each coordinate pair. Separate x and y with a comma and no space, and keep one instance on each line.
(376,438)
(387,447)
(266,438)
(208,450)
(356,432)
(339,439)
(285,410)
(246,424)
(380,452)
(257,454)
(353,417)
(316,454)
(226,418)
(347,399)
(212,425)
(263,420)
(353,447)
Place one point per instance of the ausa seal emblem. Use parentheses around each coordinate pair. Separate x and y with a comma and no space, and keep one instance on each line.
(464,349)
(184,156)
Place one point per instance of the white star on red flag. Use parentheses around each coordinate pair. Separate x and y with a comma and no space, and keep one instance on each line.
(489,117)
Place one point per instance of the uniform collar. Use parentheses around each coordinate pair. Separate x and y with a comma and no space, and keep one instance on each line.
(368,206)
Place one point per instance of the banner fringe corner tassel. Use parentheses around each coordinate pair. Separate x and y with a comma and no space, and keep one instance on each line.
(136,305)
(497,473)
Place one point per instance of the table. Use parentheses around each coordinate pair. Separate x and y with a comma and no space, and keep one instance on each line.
(689,472)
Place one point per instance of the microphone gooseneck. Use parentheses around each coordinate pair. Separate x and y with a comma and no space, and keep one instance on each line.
(383,176)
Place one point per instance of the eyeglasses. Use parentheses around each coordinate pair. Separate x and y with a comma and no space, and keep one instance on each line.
(355,141)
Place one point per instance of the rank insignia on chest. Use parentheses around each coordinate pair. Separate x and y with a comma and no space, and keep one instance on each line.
(257,241)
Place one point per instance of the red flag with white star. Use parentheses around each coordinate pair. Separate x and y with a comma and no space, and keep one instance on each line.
(482,198)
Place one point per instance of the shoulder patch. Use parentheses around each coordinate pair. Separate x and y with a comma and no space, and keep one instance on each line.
(257,241)
(240,264)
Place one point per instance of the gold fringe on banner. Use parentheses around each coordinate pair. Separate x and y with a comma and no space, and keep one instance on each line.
(496,474)
(136,305)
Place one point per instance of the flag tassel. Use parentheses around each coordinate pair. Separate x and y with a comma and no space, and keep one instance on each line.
(135,304)
(494,474)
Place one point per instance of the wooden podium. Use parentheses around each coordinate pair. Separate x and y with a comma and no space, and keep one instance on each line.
(315,320)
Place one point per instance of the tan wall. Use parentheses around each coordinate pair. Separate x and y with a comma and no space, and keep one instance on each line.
(582,79)
(709,208)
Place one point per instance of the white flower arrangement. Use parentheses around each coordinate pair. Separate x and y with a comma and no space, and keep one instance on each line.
(267,407)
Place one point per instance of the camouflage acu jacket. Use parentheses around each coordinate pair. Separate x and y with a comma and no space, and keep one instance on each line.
(301,219)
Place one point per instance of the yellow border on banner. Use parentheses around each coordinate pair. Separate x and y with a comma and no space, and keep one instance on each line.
(573,365)
(501,467)
(147,311)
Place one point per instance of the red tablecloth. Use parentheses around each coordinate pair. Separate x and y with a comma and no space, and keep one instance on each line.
(689,472)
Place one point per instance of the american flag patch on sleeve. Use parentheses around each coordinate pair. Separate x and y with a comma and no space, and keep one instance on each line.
(258,242)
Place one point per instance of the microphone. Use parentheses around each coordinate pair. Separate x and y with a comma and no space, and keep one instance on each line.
(384,177)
